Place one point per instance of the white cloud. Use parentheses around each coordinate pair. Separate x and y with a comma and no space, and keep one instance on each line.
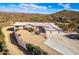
(65,6)
(25,5)
(29,6)
(34,6)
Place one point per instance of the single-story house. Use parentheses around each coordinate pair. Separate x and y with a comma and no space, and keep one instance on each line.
(41,25)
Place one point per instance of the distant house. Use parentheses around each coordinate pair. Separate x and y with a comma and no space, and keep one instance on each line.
(42,26)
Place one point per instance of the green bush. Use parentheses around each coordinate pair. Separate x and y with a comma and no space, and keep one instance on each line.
(1,47)
(29,47)
(35,50)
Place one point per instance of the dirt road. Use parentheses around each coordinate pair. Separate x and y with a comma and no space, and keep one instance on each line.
(13,49)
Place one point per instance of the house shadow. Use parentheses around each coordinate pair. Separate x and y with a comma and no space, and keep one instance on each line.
(73,36)
(14,41)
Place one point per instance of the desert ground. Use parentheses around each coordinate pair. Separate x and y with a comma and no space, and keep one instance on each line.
(37,40)
(57,45)
(28,38)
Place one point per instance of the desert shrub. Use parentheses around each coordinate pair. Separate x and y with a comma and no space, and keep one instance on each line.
(5,52)
(29,47)
(35,50)
(1,47)
(25,28)
(19,34)
(37,32)
(1,40)
(30,29)
(17,29)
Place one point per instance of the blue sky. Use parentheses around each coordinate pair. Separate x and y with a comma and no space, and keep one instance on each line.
(42,8)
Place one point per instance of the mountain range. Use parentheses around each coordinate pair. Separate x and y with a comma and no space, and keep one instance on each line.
(63,18)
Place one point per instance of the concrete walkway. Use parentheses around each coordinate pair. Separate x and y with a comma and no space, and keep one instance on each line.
(62,44)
